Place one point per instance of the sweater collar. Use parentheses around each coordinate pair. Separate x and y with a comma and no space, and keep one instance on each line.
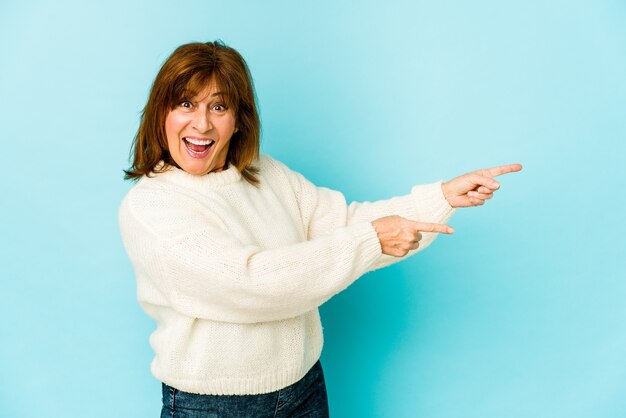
(214,179)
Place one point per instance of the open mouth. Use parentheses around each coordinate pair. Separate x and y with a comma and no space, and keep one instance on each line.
(198,148)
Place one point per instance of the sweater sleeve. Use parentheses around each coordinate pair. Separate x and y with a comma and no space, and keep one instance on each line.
(323,210)
(205,272)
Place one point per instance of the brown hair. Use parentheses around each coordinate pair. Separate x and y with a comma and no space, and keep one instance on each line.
(184,74)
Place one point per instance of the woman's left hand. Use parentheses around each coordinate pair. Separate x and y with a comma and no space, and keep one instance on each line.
(472,189)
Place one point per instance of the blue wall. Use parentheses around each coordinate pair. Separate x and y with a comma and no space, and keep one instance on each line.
(519,314)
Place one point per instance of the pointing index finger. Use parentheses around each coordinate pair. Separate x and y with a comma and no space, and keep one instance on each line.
(503,169)
(432,227)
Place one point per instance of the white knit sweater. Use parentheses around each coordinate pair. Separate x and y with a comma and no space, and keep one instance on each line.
(233,274)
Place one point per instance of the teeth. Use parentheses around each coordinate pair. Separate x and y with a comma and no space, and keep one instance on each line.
(199,141)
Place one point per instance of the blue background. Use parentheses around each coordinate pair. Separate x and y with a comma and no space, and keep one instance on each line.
(520,313)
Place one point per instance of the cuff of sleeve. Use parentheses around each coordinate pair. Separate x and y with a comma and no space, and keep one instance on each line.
(366,236)
(431,204)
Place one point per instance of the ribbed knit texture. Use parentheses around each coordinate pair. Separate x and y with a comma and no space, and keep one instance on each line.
(233,274)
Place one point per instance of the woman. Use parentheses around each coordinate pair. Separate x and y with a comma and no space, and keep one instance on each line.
(234,252)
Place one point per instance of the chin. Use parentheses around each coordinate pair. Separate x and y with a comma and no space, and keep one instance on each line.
(200,171)
(194,168)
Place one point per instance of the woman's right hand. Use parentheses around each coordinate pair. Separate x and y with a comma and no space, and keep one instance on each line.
(399,235)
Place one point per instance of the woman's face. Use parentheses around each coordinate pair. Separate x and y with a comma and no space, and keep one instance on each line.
(199,130)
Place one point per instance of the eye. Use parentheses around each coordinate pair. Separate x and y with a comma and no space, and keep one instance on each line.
(186,104)
(219,107)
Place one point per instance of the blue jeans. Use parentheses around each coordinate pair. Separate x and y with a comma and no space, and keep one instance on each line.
(305,398)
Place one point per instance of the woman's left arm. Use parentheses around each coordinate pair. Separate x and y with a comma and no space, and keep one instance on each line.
(323,209)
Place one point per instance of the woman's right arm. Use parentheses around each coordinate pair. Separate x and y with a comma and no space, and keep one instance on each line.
(206,273)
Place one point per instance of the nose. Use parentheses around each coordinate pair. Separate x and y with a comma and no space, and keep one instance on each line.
(202,122)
